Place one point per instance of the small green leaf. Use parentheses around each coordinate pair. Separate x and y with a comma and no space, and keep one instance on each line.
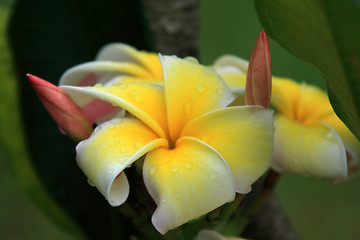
(324,33)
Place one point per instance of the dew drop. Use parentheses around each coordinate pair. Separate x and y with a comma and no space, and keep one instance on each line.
(116,121)
(187,107)
(123,86)
(175,169)
(122,142)
(97,129)
(227,131)
(167,159)
(137,145)
(98,85)
(329,135)
(212,176)
(188,165)
(129,166)
(91,183)
(123,150)
(200,88)
(136,96)
(164,200)
(154,169)
(112,144)
(191,59)
(186,153)
(198,154)
(219,91)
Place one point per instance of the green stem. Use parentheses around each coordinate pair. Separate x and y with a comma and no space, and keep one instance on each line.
(227,211)
(238,224)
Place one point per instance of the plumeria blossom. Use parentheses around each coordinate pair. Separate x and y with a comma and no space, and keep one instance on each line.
(322,140)
(199,152)
(309,138)
(119,63)
(115,63)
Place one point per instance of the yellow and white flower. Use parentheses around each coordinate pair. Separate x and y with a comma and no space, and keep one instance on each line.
(199,152)
(309,138)
(115,62)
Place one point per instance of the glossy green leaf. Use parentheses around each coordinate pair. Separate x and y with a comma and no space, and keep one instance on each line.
(47,38)
(324,33)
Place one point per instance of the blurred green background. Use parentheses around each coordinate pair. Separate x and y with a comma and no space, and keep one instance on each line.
(317,209)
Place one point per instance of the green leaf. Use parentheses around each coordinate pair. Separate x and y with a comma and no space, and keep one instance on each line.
(12,141)
(324,33)
(47,38)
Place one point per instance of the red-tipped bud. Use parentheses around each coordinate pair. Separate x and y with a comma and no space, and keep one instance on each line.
(62,109)
(258,81)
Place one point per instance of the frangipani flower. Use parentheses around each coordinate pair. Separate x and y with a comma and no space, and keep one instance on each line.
(322,139)
(198,151)
(309,138)
(119,63)
(115,63)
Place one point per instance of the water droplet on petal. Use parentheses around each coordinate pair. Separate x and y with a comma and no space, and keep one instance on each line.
(116,121)
(129,166)
(187,107)
(227,131)
(191,59)
(137,145)
(198,154)
(212,176)
(91,183)
(167,159)
(97,129)
(98,85)
(329,135)
(219,91)
(186,153)
(164,200)
(123,150)
(154,169)
(175,169)
(123,86)
(188,165)
(200,88)
(112,144)
(136,96)
(176,195)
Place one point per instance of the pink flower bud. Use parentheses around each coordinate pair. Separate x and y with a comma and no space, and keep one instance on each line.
(62,109)
(258,81)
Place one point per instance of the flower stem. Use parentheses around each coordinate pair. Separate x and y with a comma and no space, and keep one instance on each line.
(238,223)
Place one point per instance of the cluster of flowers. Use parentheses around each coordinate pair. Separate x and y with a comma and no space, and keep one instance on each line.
(201,130)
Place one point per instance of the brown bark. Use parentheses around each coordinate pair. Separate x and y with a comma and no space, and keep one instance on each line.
(174,25)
